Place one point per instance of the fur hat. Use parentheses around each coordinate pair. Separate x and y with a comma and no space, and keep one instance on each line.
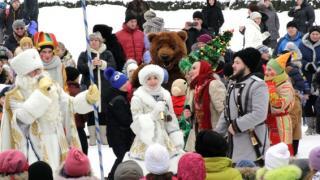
(292,24)
(157,159)
(72,73)
(197,14)
(128,170)
(255,15)
(191,166)
(277,156)
(129,17)
(76,164)
(150,69)
(279,64)
(40,170)
(211,144)
(26,62)
(179,87)
(18,23)
(106,31)
(130,64)
(314,158)
(116,79)
(250,57)
(204,38)
(25,41)
(149,15)
(44,40)
(96,35)
(153,25)
(13,162)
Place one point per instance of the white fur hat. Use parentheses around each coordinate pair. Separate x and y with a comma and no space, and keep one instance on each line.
(148,70)
(157,159)
(26,61)
(255,15)
(277,156)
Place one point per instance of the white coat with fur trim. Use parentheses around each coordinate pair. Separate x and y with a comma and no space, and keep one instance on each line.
(253,36)
(149,130)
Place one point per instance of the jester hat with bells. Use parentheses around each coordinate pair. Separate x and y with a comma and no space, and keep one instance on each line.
(44,40)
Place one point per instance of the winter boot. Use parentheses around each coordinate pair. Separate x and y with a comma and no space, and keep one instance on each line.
(92,135)
(103,135)
(310,124)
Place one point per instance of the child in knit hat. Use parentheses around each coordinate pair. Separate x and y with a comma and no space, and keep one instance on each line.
(76,166)
(281,100)
(13,165)
(119,134)
(277,165)
(157,162)
(128,170)
(314,164)
(191,167)
(202,40)
(213,147)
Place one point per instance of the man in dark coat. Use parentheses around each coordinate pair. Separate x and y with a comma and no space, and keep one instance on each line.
(19,31)
(120,135)
(31,10)
(138,8)
(303,15)
(212,17)
(112,43)
(194,29)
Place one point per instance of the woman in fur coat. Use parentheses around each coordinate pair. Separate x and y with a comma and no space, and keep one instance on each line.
(154,120)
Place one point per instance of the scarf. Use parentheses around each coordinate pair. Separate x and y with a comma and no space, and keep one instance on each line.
(201,95)
(278,79)
(54,68)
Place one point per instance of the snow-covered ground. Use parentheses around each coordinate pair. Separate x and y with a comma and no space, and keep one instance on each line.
(67,25)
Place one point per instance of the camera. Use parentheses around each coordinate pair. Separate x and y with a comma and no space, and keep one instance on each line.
(192,24)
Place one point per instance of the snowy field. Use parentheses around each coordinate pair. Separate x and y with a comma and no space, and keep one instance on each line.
(67,25)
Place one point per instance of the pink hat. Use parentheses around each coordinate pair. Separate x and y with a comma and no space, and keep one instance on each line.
(191,166)
(13,161)
(205,38)
(77,163)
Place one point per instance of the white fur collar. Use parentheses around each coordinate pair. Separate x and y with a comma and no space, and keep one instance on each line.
(147,98)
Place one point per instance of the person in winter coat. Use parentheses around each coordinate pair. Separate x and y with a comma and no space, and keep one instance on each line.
(191,166)
(194,29)
(65,56)
(40,170)
(19,32)
(154,120)
(14,165)
(293,35)
(303,15)
(252,35)
(265,57)
(272,22)
(7,18)
(80,119)
(131,39)
(310,49)
(281,100)
(137,8)
(31,10)
(119,118)
(213,147)
(76,166)
(212,17)
(112,43)
(101,59)
(246,111)
(277,165)
(314,164)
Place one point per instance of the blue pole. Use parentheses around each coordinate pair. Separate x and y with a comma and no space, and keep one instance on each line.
(95,108)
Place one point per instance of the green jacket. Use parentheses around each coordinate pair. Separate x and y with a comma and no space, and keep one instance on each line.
(220,168)
(290,172)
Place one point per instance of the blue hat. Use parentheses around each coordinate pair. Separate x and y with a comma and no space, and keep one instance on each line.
(116,79)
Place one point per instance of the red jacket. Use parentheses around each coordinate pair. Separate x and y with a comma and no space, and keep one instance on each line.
(132,42)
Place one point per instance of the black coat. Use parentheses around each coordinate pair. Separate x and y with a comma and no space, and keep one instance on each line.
(213,18)
(112,43)
(6,21)
(119,119)
(193,34)
(31,10)
(12,43)
(304,17)
(83,68)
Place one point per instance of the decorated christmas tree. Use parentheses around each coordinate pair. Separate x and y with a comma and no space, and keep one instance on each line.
(210,52)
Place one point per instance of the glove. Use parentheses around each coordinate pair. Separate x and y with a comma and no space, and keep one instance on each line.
(44,85)
(159,107)
(311,67)
(93,94)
